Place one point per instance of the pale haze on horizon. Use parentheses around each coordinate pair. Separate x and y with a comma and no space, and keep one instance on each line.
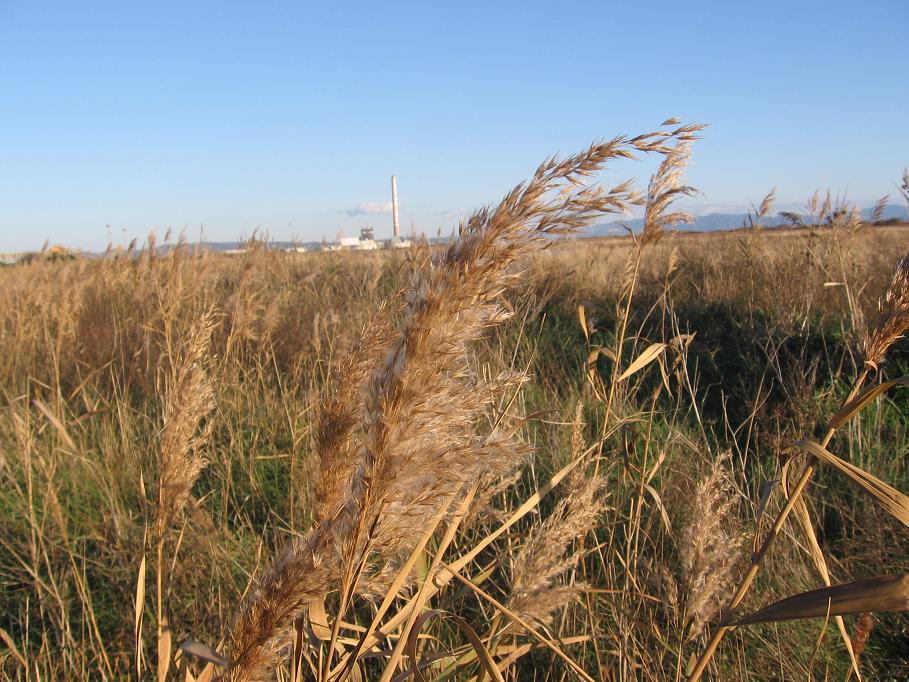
(218,119)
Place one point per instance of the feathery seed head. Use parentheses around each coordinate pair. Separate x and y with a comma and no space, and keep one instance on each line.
(406,443)
(709,545)
(539,563)
(893,316)
(188,399)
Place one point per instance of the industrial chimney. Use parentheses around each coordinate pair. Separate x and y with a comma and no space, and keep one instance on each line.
(394,206)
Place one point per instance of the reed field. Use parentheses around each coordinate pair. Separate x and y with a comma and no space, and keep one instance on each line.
(518,456)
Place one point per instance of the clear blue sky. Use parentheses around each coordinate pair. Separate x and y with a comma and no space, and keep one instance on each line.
(292,116)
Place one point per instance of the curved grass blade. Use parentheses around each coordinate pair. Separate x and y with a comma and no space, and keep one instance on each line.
(885,593)
(651,353)
(895,502)
(483,655)
(857,404)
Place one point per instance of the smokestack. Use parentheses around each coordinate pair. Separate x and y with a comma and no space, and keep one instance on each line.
(394,205)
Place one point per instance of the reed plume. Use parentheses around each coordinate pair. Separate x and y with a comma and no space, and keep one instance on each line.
(665,187)
(340,407)
(535,593)
(188,398)
(708,546)
(414,446)
(893,316)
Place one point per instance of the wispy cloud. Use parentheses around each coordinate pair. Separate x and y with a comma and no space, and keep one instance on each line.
(370,207)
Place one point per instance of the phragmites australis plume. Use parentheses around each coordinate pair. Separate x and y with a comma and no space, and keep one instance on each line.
(665,187)
(401,441)
(341,407)
(188,398)
(708,546)
(893,316)
(535,593)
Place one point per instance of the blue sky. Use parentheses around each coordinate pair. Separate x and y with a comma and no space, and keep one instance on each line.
(291,117)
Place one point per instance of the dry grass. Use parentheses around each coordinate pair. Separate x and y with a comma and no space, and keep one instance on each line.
(450,469)
(415,449)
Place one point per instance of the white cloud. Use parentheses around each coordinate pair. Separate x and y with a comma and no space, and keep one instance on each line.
(370,207)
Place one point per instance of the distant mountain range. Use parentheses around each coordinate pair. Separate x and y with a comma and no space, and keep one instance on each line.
(712,222)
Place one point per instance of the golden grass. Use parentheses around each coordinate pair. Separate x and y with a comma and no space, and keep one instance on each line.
(496,458)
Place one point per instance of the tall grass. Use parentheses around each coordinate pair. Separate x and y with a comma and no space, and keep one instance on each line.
(511,457)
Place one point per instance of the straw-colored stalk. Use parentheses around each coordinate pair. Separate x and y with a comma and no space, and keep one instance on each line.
(665,187)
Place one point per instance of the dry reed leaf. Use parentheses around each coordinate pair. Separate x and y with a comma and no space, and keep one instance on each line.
(483,655)
(139,606)
(203,651)
(651,353)
(164,648)
(592,365)
(56,423)
(890,498)
(820,562)
(318,619)
(857,404)
(886,593)
(183,672)
(596,352)
(664,516)
(582,317)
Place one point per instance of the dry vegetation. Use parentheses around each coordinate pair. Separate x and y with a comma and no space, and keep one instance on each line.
(493,460)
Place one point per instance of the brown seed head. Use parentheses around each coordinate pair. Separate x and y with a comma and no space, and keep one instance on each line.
(407,441)
(535,592)
(893,316)
(709,545)
(188,399)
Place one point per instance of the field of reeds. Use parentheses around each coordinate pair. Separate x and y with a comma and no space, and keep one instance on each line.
(511,457)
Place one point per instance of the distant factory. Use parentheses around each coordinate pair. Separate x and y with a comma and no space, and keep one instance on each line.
(367,240)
